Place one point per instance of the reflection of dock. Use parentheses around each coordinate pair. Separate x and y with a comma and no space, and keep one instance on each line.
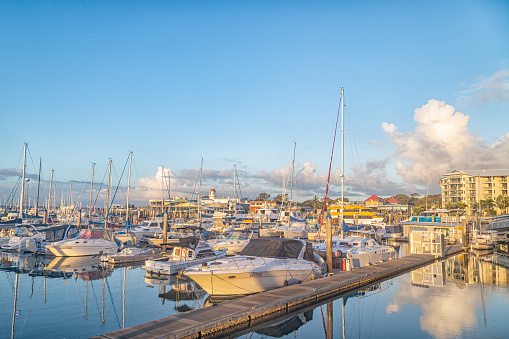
(239,314)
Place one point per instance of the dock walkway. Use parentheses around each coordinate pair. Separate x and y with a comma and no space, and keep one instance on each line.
(240,314)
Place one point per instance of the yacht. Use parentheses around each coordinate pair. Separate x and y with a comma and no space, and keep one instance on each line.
(357,251)
(188,252)
(291,224)
(93,241)
(147,229)
(264,264)
(355,214)
(26,238)
(235,242)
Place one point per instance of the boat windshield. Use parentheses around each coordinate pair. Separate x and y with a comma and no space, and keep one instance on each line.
(95,234)
(236,235)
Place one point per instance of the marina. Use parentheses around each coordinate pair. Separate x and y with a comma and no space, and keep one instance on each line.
(99,301)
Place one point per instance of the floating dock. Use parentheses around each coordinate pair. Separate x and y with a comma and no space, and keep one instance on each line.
(240,315)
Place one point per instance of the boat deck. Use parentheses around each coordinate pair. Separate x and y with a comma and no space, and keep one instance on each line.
(242,314)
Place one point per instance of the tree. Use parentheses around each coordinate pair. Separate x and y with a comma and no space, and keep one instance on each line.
(280,198)
(263,197)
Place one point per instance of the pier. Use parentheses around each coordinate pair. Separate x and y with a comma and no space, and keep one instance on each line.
(243,314)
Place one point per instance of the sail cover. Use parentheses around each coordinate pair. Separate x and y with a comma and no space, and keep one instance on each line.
(277,248)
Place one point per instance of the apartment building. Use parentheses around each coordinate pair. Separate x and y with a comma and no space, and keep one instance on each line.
(472,186)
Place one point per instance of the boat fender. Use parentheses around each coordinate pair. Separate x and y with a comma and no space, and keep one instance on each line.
(285,283)
(313,276)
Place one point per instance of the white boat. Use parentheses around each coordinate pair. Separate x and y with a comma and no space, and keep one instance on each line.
(235,242)
(264,264)
(357,251)
(147,229)
(188,252)
(130,254)
(26,239)
(291,225)
(89,242)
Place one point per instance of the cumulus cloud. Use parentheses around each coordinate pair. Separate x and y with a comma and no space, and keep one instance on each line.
(487,89)
(9,172)
(441,143)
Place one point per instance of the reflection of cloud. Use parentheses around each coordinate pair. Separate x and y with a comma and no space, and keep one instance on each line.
(446,312)
(440,144)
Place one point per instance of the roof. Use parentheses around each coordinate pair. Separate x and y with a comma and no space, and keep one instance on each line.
(374,198)
(393,201)
(481,173)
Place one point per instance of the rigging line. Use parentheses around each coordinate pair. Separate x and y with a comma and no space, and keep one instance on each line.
(112,303)
(79,197)
(113,199)
(96,302)
(30,154)
(372,317)
(323,321)
(99,191)
(30,310)
(330,164)
(79,296)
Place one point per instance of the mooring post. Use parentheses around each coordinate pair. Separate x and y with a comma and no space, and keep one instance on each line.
(328,243)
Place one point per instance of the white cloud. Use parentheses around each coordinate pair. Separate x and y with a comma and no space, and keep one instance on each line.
(487,89)
(441,143)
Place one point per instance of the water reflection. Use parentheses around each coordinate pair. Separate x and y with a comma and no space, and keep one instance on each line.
(463,296)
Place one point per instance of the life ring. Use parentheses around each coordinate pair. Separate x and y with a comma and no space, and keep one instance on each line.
(338,253)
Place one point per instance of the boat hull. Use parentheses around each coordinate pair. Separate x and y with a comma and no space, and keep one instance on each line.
(231,283)
(78,249)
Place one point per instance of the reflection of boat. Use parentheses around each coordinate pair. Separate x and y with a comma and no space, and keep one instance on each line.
(89,242)
(188,252)
(87,268)
(235,242)
(183,289)
(264,264)
(286,326)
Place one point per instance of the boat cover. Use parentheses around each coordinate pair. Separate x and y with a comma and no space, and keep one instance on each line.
(277,248)
(56,233)
(97,233)
(189,242)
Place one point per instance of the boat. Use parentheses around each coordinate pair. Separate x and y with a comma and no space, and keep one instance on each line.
(147,229)
(26,238)
(235,242)
(354,215)
(175,233)
(130,255)
(187,252)
(291,225)
(264,264)
(94,241)
(354,252)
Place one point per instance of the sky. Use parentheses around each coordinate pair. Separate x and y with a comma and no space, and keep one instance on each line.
(239,83)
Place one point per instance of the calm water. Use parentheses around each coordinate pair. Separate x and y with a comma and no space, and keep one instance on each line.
(460,297)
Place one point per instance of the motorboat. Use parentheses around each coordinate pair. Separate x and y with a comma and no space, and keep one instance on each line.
(174,234)
(93,241)
(130,255)
(235,242)
(357,251)
(188,252)
(26,238)
(264,264)
(291,225)
(147,229)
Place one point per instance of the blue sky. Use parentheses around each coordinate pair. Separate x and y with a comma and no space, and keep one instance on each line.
(238,82)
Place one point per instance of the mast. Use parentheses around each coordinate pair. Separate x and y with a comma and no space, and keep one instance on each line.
(128,189)
(23,180)
(162,189)
(199,193)
(91,192)
(342,162)
(234,183)
(38,188)
(107,197)
(291,182)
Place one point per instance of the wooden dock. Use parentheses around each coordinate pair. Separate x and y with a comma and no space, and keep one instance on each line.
(239,315)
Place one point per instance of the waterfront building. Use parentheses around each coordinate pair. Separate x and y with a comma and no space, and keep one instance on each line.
(472,186)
